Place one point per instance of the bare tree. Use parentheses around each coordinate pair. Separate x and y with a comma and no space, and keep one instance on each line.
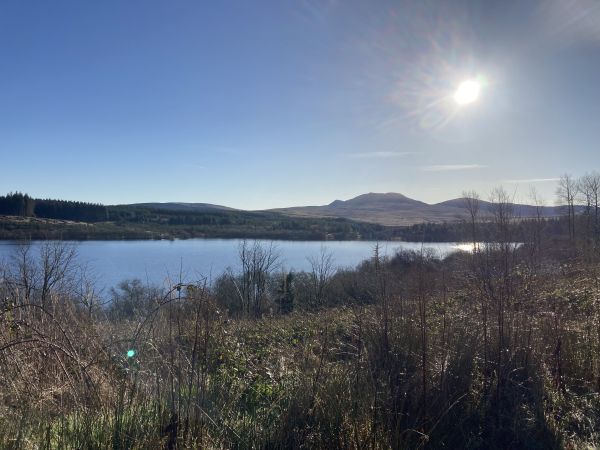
(422,302)
(537,222)
(503,214)
(382,296)
(57,266)
(589,191)
(322,268)
(566,193)
(258,261)
(35,277)
(24,275)
(87,293)
(472,205)
(499,283)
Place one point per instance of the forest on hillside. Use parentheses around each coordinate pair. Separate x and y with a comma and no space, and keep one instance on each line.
(25,218)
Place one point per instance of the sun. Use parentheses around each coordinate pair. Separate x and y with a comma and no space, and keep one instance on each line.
(467,92)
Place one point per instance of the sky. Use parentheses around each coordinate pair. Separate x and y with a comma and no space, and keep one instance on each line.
(267,104)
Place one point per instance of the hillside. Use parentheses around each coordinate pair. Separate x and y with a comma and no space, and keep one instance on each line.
(519,209)
(368,216)
(393,209)
(180,207)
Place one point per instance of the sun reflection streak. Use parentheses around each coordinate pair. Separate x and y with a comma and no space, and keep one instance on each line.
(468,248)
(483,246)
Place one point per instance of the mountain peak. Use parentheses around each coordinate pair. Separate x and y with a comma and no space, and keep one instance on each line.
(393,209)
(376,200)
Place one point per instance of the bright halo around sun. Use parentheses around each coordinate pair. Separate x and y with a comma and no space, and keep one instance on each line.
(467,92)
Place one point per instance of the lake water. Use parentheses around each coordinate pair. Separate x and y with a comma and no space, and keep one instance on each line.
(157,262)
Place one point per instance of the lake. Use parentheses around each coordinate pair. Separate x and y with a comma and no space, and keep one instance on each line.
(110,262)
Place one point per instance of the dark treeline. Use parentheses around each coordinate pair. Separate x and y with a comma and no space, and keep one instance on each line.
(18,204)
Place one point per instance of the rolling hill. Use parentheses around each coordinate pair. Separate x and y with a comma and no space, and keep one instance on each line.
(393,209)
(181,207)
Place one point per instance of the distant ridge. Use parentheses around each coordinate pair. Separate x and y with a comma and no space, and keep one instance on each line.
(182,207)
(390,209)
(395,209)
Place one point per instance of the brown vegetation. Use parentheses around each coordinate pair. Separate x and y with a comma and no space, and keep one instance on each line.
(499,348)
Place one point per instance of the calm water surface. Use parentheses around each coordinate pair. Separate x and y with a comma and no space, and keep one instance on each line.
(157,262)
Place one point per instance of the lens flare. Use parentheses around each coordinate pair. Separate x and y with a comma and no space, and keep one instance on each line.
(467,92)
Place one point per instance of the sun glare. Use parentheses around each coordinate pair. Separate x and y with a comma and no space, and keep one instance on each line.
(467,92)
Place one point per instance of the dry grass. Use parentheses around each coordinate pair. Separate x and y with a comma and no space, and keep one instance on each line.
(394,357)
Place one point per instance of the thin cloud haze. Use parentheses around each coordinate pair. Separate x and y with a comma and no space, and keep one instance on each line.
(379,155)
(532,180)
(451,167)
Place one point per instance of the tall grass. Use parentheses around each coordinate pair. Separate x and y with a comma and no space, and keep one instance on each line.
(475,351)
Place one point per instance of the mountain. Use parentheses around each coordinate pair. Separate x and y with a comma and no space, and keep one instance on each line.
(386,209)
(396,209)
(391,209)
(181,207)
(374,201)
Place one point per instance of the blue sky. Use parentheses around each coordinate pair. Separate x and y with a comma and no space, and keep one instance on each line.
(277,103)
